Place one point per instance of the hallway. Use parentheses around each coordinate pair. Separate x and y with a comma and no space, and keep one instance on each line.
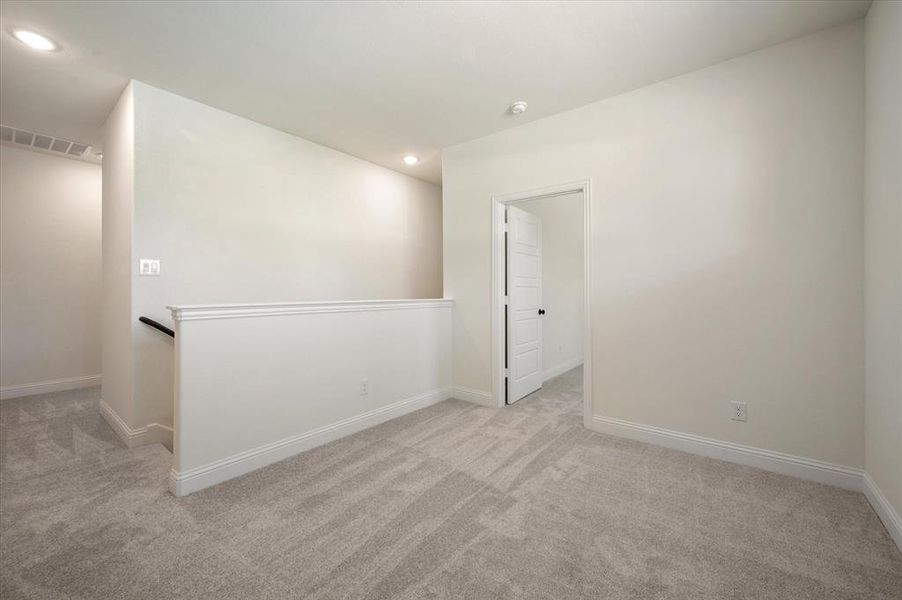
(451,501)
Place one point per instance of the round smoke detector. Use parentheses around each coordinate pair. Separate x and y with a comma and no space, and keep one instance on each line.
(518,108)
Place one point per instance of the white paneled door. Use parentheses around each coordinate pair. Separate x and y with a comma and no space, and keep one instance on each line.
(524,309)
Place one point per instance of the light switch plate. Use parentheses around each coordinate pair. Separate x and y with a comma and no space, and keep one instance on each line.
(149,267)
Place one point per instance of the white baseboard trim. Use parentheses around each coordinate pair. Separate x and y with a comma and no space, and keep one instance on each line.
(796,466)
(132,437)
(474,396)
(51,385)
(884,510)
(552,372)
(487,399)
(188,482)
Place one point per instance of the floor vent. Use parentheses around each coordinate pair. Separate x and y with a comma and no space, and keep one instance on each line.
(47,143)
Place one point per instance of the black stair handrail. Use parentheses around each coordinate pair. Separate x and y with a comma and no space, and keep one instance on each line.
(157,326)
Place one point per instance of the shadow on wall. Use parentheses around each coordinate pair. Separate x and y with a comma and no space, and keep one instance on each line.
(789,349)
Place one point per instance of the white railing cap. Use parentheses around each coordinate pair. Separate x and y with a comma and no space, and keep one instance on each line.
(193,312)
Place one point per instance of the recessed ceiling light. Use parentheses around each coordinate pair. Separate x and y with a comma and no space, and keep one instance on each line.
(410,160)
(519,107)
(100,155)
(35,41)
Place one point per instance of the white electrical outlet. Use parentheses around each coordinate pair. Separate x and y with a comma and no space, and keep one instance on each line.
(149,267)
(739,411)
(364,387)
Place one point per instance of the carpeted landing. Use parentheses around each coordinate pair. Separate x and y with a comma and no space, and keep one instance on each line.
(453,501)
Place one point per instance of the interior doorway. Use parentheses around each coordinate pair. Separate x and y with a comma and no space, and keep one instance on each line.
(541,289)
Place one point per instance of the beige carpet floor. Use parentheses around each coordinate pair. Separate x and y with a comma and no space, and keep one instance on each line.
(453,501)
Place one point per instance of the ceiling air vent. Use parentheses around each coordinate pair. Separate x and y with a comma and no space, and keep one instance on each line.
(77,149)
(43,142)
(46,143)
(24,137)
(60,146)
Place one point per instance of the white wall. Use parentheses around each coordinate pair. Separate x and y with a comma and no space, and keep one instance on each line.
(562,280)
(727,237)
(118,208)
(50,274)
(293,381)
(883,251)
(238,212)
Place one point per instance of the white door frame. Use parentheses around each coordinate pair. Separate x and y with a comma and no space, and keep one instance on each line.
(499,202)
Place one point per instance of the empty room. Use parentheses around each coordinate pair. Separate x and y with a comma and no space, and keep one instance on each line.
(451,299)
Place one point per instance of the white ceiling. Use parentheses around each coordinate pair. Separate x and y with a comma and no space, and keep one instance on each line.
(375,80)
